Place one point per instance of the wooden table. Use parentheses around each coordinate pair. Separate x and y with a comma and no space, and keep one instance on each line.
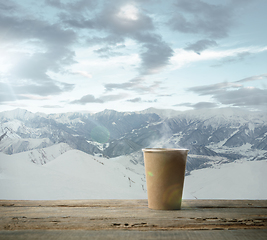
(131,219)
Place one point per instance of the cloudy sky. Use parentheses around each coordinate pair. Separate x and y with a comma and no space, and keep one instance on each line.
(128,55)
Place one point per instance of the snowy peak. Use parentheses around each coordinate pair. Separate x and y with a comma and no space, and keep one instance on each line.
(41,156)
(163,113)
(232,115)
(60,156)
(71,175)
(217,132)
(8,132)
(11,146)
(20,114)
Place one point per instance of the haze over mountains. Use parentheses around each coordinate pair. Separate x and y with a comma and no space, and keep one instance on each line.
(62,142)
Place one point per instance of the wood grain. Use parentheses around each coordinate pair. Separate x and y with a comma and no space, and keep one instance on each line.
(131,215)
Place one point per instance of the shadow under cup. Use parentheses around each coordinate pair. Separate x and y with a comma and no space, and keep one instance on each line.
(165,172)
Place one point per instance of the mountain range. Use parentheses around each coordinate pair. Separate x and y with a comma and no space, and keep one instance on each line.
(213,136)
(86,155)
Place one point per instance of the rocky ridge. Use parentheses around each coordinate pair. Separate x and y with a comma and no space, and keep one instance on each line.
(213,137)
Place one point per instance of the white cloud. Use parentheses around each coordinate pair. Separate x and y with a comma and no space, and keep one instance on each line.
(84,73)
(128,12)
(63,49)
(182,57)
(86,58)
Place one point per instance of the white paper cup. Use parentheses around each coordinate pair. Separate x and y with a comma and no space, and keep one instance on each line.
(165,172)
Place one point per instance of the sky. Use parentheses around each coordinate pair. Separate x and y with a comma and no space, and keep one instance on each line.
(129,55)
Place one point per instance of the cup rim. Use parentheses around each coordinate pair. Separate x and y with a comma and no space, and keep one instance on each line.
(164,149)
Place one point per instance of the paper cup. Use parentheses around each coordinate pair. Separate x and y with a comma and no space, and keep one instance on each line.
(165,172)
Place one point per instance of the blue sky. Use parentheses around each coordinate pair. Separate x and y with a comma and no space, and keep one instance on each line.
(129,55)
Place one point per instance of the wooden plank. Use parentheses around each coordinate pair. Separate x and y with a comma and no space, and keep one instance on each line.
(133,203)
(132,215)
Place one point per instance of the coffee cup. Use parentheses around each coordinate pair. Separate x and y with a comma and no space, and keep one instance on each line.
(165,172)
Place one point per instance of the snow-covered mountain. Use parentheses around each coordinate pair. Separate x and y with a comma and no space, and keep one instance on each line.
(237,180)
(71,175)
(77,175)
(212,136)
(84,155)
